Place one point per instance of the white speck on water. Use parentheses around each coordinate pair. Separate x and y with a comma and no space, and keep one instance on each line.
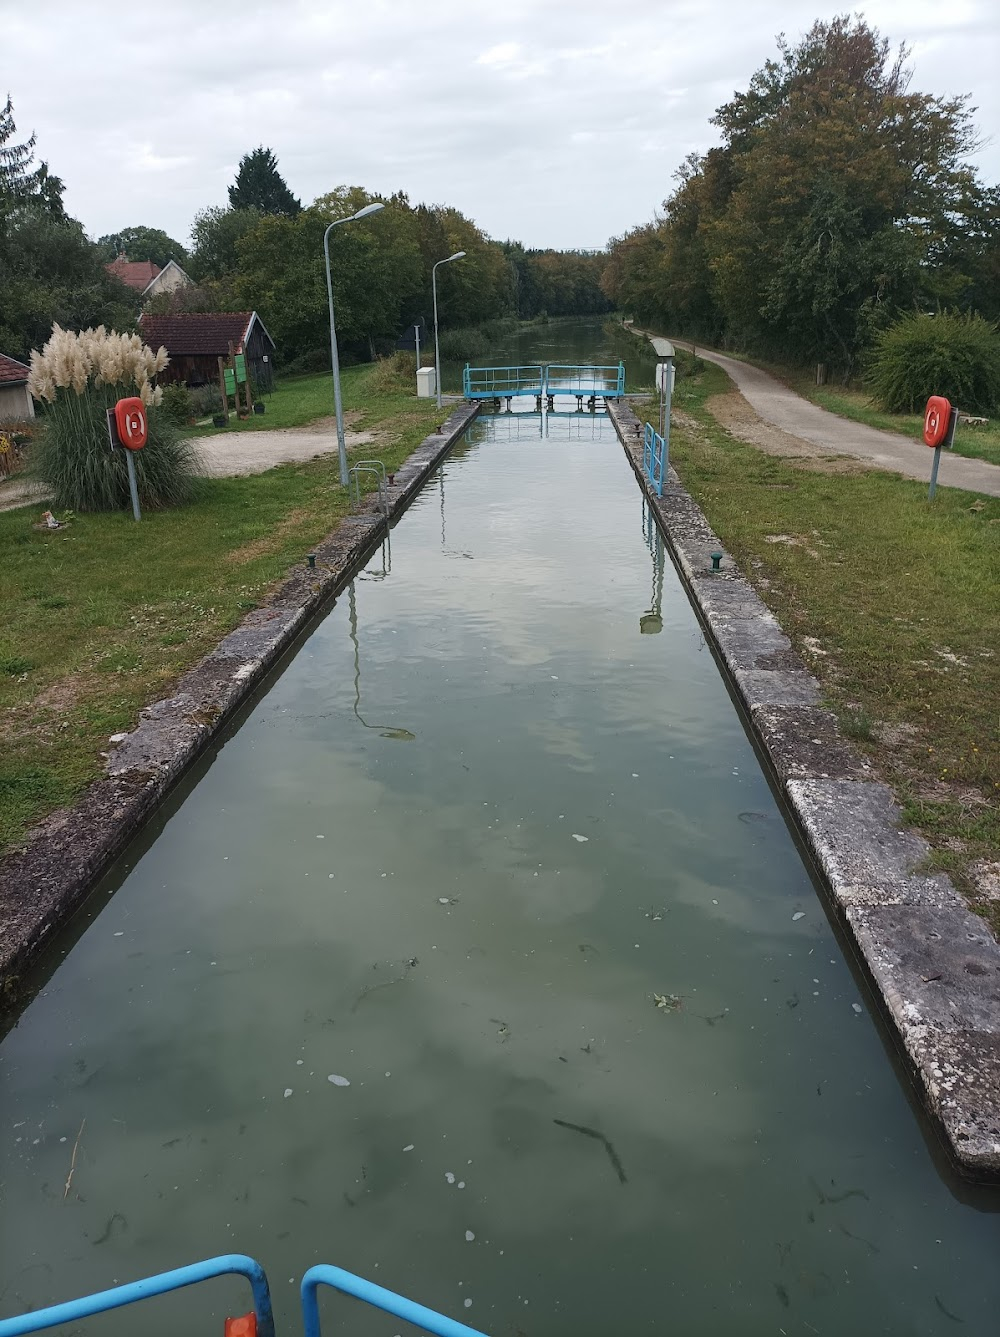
(449,1176)
(62,1139)
(714,902)
(337,1080)
(298,1063)
(444,900)
(330,875)
(388,1074)
(857,1007)
(409,1147)
(799,914)
(120,933)
(288,1092)
(635,775)
(213,963)
(469,1236)
(582,839)
(468,1303)
(321,837)
(461,1182)
(554,678)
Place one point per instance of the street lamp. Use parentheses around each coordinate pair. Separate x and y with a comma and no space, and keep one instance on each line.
(338,406)
(437,352)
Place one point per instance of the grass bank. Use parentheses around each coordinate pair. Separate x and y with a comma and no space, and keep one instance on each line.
(892,602)
(100,618)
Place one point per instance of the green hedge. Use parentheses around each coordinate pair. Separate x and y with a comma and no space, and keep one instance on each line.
(948,354)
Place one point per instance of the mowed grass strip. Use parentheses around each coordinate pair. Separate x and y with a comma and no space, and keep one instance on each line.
(892,601)
(101,618)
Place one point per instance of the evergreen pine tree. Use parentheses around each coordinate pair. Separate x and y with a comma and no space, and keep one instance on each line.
(259,185)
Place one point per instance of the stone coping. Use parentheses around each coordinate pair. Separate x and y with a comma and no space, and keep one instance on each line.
(45,879)
(934,965)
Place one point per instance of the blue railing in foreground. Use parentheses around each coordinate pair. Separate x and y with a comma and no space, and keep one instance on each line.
(655,462)
(502,382)
(325,1275)
(102,1301)
(585,380)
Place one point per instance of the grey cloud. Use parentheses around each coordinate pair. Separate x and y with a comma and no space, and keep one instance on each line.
(522,114)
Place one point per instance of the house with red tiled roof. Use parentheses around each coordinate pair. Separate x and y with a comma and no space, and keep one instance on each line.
(147,278)
(15,398)
(195,340)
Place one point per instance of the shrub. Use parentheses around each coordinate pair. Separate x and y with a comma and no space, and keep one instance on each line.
(394,374)
(946,354)
(80,376)
(176,407)
(316,359)
(204,400)
(464,345)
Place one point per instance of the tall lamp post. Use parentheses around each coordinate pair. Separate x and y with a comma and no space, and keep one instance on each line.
(338,405)
(437,352)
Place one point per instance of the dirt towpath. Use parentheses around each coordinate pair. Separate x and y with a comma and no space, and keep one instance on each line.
(833,435)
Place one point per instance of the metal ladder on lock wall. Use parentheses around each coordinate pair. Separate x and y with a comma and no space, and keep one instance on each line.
(259,1322)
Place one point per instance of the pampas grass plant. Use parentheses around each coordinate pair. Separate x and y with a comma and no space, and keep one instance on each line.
(78,377)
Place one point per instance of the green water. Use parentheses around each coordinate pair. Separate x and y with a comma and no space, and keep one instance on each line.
(456,854)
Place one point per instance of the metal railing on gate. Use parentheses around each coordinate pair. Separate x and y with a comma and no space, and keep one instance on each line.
(580,380)
(585,381)
(502,382)
(655,458)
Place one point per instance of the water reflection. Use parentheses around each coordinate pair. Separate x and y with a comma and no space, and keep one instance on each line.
(651,622)
(384,730)
(519,424)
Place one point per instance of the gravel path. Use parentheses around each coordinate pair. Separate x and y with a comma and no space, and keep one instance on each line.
(792,414)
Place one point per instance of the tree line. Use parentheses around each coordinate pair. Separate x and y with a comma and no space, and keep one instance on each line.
(264,251)
(838,201)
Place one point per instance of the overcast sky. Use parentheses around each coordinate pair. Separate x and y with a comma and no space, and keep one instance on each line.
(559,123)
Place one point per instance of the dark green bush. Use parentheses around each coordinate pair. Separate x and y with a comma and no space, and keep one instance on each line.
(948,354)
(205,399)
(176,407)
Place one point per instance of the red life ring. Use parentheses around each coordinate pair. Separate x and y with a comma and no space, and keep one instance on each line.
(130,420)
(937,420)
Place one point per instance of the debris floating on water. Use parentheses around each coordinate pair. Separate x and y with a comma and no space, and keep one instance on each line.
(288,1092)
(799,914)
(582,839)
(857,1007)
(409,1147)
(449,1176)
(469,1236)
(337,1080)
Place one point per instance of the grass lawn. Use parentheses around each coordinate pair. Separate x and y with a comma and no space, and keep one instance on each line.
(102,617)
(296,402)
(893,603)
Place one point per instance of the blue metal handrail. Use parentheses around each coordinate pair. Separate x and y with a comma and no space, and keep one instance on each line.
(579,379)
(397,1305)
(502,382)
(176,1280)
(655,462)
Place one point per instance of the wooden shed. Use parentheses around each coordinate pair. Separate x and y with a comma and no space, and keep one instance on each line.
(196,340)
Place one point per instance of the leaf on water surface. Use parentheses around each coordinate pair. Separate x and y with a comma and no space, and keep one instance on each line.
(401,735)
